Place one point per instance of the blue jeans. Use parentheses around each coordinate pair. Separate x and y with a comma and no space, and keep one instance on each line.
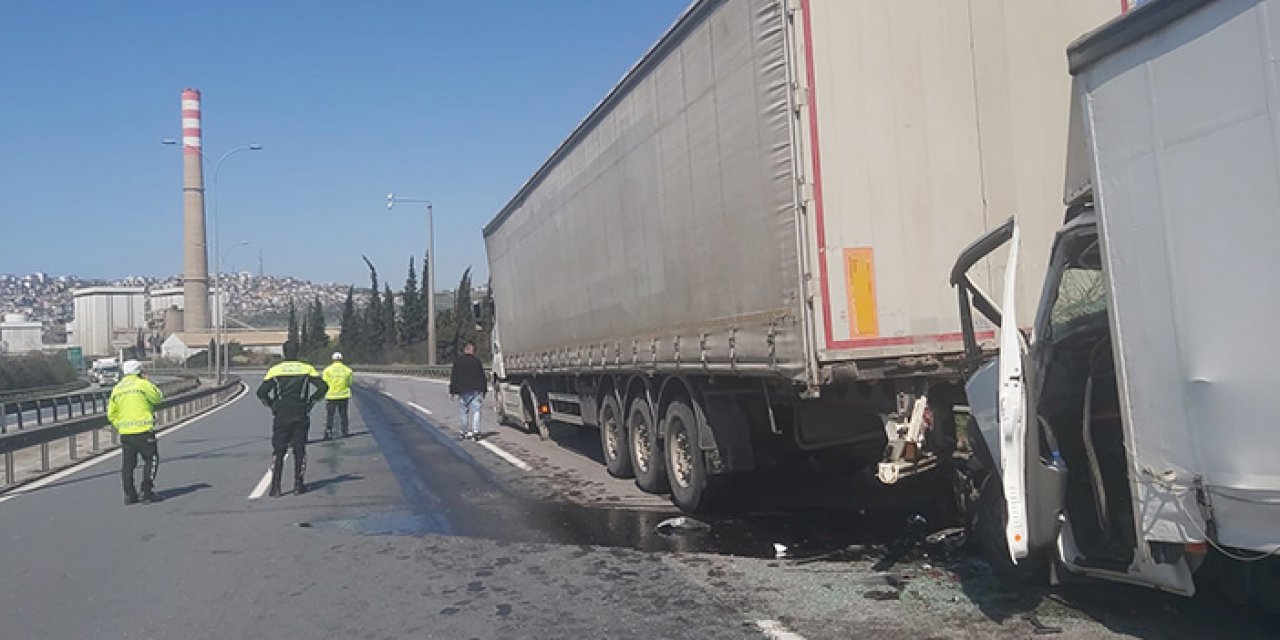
(469,406)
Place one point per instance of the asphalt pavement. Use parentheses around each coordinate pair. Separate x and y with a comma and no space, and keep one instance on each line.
(409,532)
(402,536)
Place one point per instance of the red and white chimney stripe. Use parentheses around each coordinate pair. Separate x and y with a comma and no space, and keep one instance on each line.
(191,122)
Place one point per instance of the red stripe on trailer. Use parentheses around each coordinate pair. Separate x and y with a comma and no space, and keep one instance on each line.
(898,341)
(819,217)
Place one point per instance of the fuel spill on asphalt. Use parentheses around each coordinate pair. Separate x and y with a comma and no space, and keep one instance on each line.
(448,493)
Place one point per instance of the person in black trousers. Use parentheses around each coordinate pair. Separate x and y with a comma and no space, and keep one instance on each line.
(290,389)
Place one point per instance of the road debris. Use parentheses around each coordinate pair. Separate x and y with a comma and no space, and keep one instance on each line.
(1041,629)
(681,524)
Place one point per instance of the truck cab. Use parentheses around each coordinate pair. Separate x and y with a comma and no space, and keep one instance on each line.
(1125,432)
(105,372)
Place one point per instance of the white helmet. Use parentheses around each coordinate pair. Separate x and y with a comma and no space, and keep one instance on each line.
(337,355)
(131,367)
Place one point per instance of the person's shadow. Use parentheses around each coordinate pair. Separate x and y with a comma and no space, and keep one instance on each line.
(326,482)
(174,492)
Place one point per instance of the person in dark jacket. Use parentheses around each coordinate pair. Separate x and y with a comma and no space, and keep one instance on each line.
(290,389)
(467,385)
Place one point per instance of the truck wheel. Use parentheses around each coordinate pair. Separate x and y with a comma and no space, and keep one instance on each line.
(533,423)
(613,439)
(989,527)
(646,457)
(691,486)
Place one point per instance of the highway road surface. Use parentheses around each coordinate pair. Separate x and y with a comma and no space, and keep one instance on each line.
(409,532)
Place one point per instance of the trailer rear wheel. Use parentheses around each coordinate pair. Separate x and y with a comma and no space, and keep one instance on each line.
(533,421)
(613,439)
(691,486)
(646,457)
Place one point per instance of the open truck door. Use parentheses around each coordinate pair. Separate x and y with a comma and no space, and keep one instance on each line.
(1016,519)
(1012,412)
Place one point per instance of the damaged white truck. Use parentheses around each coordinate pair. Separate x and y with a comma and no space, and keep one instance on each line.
(1133,430)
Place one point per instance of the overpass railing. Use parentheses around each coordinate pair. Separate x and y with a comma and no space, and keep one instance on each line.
(184,398)
(31,412)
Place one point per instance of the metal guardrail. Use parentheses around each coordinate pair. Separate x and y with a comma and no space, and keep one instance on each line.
(190,401)
(437,371)
(24,394)
(13,413)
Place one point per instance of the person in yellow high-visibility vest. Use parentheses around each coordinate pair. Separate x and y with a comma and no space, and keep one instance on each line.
(131,412)
(338,376)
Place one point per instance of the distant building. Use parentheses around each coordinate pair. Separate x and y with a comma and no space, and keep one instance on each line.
(19,335)
(162,301)
(183,345)
(106,319)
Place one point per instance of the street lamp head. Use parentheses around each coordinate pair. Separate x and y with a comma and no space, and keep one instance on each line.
(391,200)
(255,147)
(169,141)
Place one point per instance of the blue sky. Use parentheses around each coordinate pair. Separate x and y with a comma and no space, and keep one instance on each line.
(456,101)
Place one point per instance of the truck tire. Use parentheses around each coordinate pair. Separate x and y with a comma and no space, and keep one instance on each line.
(614,443)
(691,485)
(989,527)
(533,423)
(646,454)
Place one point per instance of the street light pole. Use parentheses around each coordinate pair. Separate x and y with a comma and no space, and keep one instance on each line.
(223,356)
(393,200)
(217,290)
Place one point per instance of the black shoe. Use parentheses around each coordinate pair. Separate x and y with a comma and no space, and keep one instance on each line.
(148,496)
(131,499)
(345,433)
(328,435)
(275,491)
(299,487)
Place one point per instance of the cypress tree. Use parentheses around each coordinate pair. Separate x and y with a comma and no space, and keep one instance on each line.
(374,331)
(315,318)
(294,336)
(389,315)
(413,314)
(350,336)
(464,314)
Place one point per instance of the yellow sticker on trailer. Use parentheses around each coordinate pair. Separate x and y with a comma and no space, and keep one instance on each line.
(860,278)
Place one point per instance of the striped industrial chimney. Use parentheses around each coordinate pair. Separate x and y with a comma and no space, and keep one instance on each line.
(195,272)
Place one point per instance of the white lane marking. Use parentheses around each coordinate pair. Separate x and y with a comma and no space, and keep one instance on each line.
(776,631)
(519,464)
(261,489)
(499,451)
(48,480)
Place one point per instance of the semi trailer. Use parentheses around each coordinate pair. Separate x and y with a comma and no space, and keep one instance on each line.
(738,260)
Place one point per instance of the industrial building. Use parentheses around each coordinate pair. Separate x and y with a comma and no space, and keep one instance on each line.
(167,309)
(181,346)
(20,335)
(107,319)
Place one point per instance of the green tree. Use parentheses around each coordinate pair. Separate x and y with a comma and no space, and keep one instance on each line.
(413,311)
(350,337)
(486,320)
(315,317)
(445,332)
(294,334)
(389,316)
(375,335)
(464,314)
